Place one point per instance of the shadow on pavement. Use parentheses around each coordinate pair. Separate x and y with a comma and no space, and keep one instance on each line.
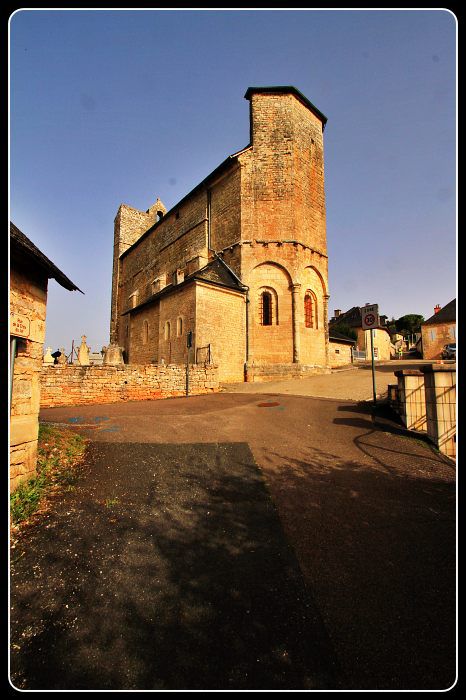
(381,533)
(167,568)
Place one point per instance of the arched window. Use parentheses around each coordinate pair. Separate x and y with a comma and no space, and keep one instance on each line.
(310,309)
(167,330)
(145,332)
(179,326)
(267,307)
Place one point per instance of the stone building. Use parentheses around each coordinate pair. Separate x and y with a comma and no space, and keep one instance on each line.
(240,262)
(353,319)
(340,349)
(30,271)
(439,330)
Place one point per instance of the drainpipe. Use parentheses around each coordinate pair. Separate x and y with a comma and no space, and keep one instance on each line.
(12,367)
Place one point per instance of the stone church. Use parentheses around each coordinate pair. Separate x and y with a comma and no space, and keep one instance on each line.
(239,266)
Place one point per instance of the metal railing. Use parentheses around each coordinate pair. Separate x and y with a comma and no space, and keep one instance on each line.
(358,355)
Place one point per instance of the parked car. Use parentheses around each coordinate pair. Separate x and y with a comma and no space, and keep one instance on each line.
(449,351)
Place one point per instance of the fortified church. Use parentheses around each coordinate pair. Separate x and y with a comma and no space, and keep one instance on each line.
(240,263)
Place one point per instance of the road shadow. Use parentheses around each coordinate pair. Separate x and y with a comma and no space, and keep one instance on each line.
(376,538)
(166,569)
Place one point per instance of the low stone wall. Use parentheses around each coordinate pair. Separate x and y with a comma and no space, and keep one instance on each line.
(426,402)
(72,385)
(268,372)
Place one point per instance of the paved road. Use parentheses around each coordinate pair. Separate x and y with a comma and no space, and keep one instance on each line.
(352,383)
(257,541)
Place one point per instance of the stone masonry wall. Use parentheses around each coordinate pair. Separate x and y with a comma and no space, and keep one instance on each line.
(28,297)
(339,354)
(71,385)
(221,322)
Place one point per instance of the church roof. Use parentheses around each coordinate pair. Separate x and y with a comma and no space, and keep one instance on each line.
(216,273)
(22,248)
(445,315)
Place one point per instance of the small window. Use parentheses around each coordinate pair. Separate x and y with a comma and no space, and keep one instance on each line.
(167,330)
(432,334)
(266,309)
(310,309)
(337,352)
(159,215)
(145,332)
(179,326)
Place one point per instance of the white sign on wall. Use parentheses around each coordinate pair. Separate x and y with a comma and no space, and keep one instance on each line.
(19,325)
(370,317)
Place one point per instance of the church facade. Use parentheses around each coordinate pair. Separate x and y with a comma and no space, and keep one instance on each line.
(239,266)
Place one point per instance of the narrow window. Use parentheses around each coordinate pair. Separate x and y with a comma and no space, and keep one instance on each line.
(167,330)
(310,309)
(432,334)
(145,332)
(266,309)
(179,326)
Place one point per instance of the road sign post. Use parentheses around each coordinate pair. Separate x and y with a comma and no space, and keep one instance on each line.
(374,395)
(189,344)
(370,321)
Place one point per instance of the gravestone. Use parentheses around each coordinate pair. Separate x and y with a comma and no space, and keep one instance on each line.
(83,352)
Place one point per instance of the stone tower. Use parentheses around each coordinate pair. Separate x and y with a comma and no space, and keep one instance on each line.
(283,231)
(260,214)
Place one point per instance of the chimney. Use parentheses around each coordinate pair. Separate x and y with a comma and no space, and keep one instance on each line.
(437,308)
(337,312)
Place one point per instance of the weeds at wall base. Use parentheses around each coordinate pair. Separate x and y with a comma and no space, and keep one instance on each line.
(59,453)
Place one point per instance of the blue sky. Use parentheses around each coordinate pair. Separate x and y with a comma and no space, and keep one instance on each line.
(111,107)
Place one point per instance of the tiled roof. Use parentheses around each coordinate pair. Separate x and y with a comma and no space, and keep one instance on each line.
(335,335)
(445,315)
(351,318)
(21,246)
(218,272)
(215,272)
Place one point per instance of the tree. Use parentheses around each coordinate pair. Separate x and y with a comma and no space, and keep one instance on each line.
(345,329)
(409,324)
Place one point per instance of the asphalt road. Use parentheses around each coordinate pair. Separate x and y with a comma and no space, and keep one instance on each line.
(255,541)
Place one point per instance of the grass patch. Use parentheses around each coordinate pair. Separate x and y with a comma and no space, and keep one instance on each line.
(59,451)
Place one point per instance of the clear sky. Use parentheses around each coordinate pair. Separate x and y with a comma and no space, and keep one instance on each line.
(111,107)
